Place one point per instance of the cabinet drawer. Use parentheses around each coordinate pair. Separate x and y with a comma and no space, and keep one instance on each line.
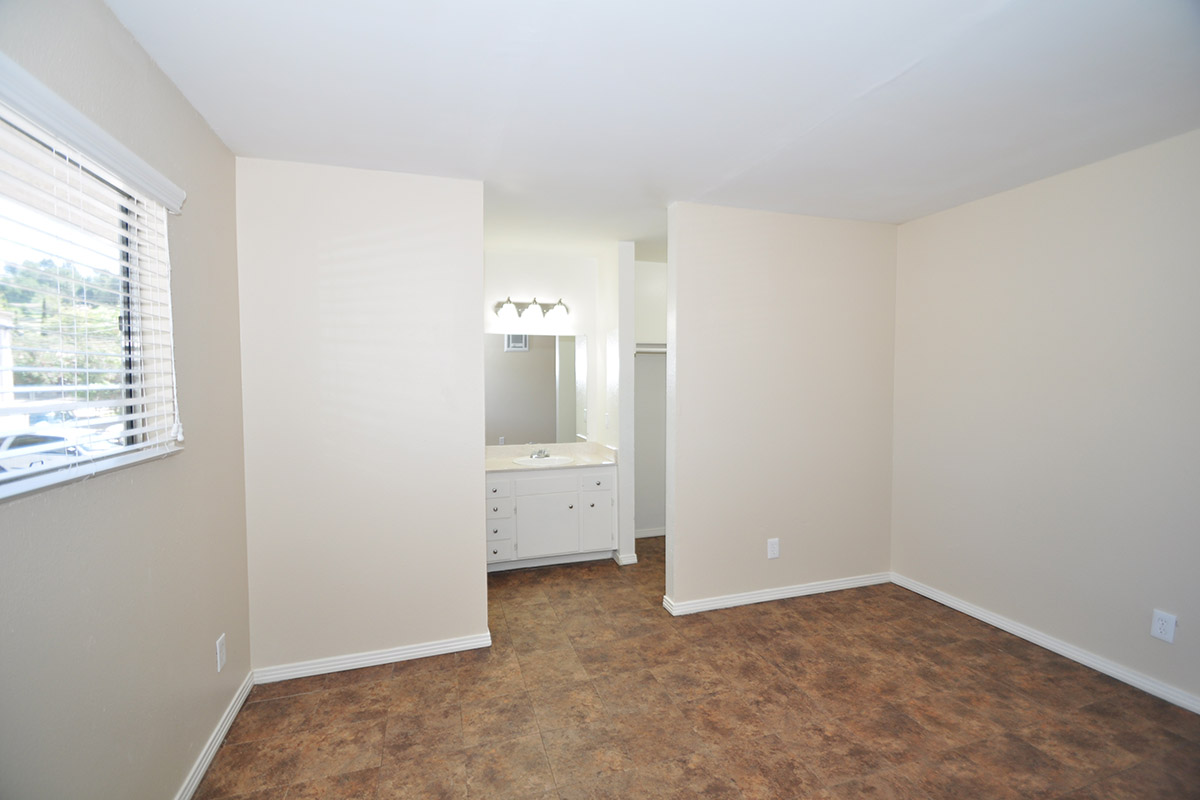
(500,508)
(500,529)
(501,550)
(596,483)
(498,489)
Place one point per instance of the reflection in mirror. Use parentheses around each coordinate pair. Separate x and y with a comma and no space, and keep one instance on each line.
(536,395)
(581,371)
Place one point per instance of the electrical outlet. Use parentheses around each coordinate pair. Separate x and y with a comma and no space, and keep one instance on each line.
(220,652)
(772,548)
(1162,626)
(501,440)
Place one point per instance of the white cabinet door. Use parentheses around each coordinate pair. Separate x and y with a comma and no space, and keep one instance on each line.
(596,521)
(547,524)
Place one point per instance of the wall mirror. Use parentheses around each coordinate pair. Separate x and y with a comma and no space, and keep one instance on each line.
(535,395)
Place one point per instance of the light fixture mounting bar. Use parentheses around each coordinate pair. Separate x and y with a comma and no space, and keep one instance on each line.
(522,307)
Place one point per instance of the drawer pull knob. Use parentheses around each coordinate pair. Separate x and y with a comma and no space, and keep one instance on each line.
(495,552)
(570,506)
(495,508)
(597,483)
(493,490)
(495,530)
(593,505)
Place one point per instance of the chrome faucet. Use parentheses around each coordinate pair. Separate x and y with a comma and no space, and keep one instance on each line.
(540,454)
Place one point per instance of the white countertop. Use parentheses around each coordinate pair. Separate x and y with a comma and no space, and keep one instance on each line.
(499,458)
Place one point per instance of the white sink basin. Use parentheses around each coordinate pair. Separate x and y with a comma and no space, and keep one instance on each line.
(548,461)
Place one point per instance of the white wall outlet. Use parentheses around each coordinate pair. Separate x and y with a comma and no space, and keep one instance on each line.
(1162,626)
(772,548)
(501,440)
(220,652)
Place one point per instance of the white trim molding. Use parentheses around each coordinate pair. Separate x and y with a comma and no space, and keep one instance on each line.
(625,559)
(547,561)
(34,101)
(650,533)
(320,666)
(1089,659)
(763,595)
(196,774)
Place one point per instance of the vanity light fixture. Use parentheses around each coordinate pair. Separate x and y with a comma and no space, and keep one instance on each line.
(521,308)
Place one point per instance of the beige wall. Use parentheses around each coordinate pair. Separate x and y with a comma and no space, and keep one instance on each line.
(521,391)
(779,398)
(1047,398)
(113,591)
(362,347)
(650,323)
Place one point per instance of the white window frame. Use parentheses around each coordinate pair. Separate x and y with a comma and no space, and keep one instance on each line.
(29,99)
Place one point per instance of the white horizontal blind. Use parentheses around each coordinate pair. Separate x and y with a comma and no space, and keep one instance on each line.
(86,357)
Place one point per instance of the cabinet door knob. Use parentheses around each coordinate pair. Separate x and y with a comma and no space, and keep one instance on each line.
(597,483)
(493,490)
(495,530)
(495,508)
(495,552)
(593,505)
(571,506)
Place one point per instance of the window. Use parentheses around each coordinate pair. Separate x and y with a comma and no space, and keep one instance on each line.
(87,375)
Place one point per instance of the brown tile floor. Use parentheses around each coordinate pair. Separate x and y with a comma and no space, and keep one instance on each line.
(591,690)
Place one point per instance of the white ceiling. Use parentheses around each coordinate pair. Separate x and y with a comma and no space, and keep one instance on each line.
(586,119)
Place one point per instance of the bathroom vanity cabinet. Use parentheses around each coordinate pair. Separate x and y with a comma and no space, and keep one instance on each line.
(550,516)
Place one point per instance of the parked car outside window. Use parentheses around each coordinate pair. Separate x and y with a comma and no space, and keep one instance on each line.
(49,446)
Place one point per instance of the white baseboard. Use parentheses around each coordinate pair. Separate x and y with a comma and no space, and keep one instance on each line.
(547,561)
(649,533)
(1089,659)
(320,666)
(763,595)
(625,559)
(214,742)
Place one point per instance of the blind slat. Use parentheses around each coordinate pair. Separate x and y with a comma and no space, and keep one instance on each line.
(40,193)
(81,388)
(22,235)
(69,353)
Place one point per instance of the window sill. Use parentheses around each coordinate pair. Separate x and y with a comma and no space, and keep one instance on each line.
(49,480)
